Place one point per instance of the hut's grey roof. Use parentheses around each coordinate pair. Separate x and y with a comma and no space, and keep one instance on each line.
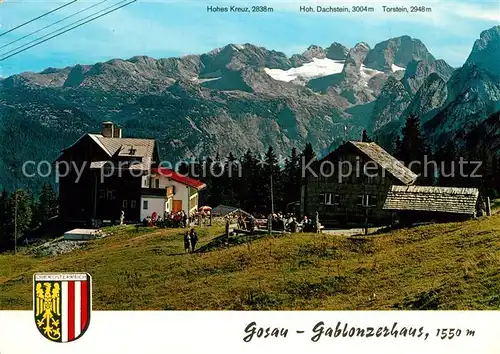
(224,210)
(388,162)
(434,199)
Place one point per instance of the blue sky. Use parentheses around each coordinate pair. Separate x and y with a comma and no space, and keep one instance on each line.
(164,28)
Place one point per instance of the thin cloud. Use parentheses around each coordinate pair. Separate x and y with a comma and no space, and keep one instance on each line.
(474,12)
(153,29)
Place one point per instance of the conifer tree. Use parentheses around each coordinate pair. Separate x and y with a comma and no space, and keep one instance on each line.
(216,168)
(230,180)
(292,178)
(204,174)
(448,165)
(249,182)
(414,151)
(4,237)
(271,174)
(47,204)
(365,138)
(18,215)
(307,159)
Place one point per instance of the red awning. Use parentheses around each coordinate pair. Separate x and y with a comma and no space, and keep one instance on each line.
(178,177)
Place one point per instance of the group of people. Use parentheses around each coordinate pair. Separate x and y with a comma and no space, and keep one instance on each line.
(308,225)
(190,240)
(289,223)
(178,219)
(246,223)
(280,221)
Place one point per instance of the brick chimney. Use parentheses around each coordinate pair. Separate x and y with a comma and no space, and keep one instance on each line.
(108,129)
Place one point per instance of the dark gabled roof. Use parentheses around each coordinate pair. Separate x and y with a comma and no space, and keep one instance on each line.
(434,199)
(224,210)
(144,149)
(382,158)
(388,162)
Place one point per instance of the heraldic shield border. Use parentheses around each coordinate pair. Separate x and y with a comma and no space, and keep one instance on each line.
(62,303)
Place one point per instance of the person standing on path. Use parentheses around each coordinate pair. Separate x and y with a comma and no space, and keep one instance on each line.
(194,238)
(187,242)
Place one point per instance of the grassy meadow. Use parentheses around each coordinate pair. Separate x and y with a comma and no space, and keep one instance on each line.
(454,266)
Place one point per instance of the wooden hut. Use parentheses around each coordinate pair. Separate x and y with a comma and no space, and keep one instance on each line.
(356,197)
(425,203)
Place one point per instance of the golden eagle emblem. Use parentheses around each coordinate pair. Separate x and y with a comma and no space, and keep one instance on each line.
(62,305)
(48,309)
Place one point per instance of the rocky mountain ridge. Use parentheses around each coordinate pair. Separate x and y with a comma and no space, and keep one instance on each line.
(241,97)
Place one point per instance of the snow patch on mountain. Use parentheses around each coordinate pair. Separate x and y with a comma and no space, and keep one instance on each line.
(395,68)
(200,81)
(367,74)
(193,124)
(316,68)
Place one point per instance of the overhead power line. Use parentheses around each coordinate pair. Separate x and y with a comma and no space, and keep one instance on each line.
(39,41)
(37,18)
(52,24)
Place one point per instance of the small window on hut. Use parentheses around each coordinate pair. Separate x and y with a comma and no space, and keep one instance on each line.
(367,200)
(332,199)
(109,194)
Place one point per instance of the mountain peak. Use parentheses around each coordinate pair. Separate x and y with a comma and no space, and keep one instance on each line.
(314,47)
(397,51)
(418,70)
(314,51)
(355,57)
(362,45)
(485,53)
(336,51)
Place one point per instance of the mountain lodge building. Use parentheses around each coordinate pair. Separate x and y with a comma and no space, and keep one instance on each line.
(107,174)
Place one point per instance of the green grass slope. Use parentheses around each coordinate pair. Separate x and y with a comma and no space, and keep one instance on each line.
(443,266)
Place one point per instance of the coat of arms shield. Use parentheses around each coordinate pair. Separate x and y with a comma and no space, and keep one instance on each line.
(62,303)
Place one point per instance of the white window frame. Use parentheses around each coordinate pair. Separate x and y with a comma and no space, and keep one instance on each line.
(332,199)
(367,200)
(363,198)
(145,204)
(124,204)
(133,204)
